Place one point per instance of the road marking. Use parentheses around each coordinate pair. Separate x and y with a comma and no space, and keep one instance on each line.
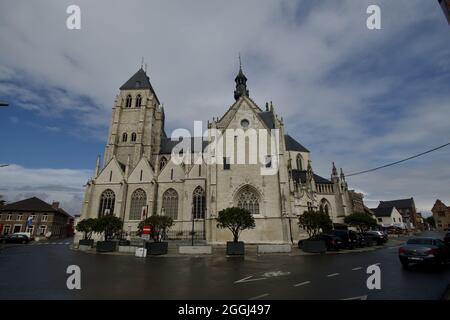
(247,279)
(302,283)
(259,297)
(357,298)
(376,264)
(67,242)
(332,275)
(357,268)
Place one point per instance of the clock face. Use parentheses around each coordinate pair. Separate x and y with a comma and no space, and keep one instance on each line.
(245,123)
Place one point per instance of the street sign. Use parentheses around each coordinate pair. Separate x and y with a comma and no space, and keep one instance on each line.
(145,237)
(445,5)
(146,230)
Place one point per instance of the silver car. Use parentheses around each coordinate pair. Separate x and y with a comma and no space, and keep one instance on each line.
(423,250)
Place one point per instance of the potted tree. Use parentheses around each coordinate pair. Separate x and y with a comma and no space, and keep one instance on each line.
(87,226)
(236,220)
(158,228)
(314,222)
(110,226)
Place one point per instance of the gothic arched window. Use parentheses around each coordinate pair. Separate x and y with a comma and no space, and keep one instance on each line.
(124,137)
(170,203)
(107,200)
(138,201)
(162,163)
(299,162)
(248,199)
(199,203)
(138,101)
(128,102)
(325,206)
(133,137)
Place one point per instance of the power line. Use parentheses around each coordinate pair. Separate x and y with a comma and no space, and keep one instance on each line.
(397,162)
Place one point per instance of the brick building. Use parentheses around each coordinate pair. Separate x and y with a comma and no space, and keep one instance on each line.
(441,215)
(46,219)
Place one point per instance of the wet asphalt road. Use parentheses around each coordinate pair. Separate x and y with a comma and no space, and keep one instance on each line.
(39,272)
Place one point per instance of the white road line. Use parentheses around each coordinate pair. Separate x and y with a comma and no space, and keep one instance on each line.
(67,243)
(356,298)
(332,275)
(259,297)
(357,268)
(302,283)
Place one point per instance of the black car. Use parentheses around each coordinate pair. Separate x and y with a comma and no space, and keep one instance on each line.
(379,236)
(447,239)
(332,242)
(15,238)
(349,238)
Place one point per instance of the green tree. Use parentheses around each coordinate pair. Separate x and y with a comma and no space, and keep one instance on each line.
(314,222)
(158,226)
(87,226)
(430,220)
(109,225)
(361,220)
(236,220)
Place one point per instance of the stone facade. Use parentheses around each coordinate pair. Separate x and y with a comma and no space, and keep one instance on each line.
(139,174)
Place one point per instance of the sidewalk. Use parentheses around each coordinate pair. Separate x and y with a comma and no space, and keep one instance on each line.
(250,250)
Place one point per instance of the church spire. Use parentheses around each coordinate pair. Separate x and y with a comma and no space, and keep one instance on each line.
(241,83)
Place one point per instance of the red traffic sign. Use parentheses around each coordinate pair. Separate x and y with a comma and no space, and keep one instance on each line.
(146,230)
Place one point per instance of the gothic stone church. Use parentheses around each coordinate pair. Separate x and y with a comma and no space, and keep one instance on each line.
(138,176)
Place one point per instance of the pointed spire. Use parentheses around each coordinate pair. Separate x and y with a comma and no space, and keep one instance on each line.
(342,175)
(97,167)
(334,172)
(241,83)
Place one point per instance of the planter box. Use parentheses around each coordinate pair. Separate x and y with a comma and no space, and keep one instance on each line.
(124,242)
(89,242)
(314,246)
(106,246)
(235,248)
(127,249)
(274,248)
(157,248)
(141,252)
(195,249)
(82,247)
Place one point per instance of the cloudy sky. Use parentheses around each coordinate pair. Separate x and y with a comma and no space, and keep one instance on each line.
(359,97)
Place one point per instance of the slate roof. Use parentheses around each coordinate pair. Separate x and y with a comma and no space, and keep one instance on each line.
(293,145)
(399,204)
(300,176)
(32,204)
(267,118)
(167,145)
(383,212)
(139,80)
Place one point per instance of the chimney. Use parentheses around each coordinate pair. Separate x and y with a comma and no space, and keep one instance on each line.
(55,205)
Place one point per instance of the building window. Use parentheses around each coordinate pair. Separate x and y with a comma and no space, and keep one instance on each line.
(268,161)
(199,201)
(124,137)
(248,199)
(9,217)
(110,176)
(393,219)
(170,204)
(6,229)
(19,217)
(138,201)
(162,163)
(380,220)
(30,229)
(44,217)
(107,200)
(42,230)
(226,163)
(128,102)
(299,161)
(325,206)
(140,176)
(199,170)
(245,123)
(133,137)
(138,101)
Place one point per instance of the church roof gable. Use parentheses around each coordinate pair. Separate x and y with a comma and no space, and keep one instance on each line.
(293,145)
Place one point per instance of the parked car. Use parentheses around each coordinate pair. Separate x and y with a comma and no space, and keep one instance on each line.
(349,238)
(332,242)
(27,234)
(447,239)
(379,236)
(366,240)
(16,238)
(423,250)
